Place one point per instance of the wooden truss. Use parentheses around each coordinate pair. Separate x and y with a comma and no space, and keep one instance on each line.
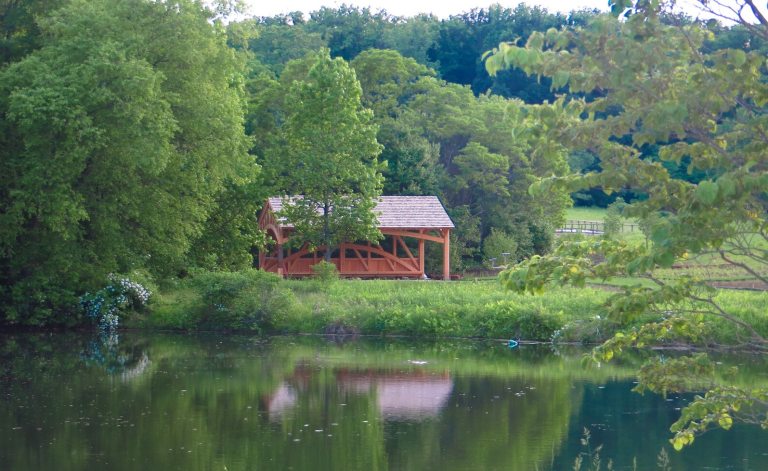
(354,259)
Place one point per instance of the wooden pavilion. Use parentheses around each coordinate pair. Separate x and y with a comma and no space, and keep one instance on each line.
(405,221)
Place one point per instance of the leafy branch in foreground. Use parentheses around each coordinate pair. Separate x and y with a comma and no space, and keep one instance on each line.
(641,82)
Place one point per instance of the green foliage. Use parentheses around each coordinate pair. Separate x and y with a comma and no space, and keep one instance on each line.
(497,243)
(373,307)
(327,154)
(231,230)
(719,407)
(614,219)
(19,30)
(478,154)
(659,86)
(121,129)
(273,45)
(463,38)
(325,272)
(512,319)
(249,300)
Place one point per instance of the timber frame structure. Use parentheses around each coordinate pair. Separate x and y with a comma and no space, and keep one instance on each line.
(406,222)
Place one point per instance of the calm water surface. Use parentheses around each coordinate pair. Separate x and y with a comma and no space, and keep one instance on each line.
(184,402)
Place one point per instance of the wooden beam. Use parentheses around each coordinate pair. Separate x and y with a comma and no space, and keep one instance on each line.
(364,261)
(415,235)
(411,258)
(446,254)
(421,257)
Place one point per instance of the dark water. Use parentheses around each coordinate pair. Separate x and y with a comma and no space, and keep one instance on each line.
(168,402)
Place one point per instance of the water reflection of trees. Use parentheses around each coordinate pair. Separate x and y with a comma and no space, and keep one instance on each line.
(246,403)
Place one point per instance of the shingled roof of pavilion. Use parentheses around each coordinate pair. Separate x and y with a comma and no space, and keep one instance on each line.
(399,212)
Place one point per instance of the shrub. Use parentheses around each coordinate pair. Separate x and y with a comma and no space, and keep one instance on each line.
(325,272)
(613,221)
(509,319)
(497,243)
(248,299)
(105,306)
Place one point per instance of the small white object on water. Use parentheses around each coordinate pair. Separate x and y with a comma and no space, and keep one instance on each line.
(417,362)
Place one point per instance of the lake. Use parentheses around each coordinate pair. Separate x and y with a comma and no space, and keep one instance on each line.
(230,402)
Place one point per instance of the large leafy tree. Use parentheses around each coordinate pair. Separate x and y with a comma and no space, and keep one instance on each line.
(463,38)
(19,31)
(328,154)
(478,153)
(389,81)
(119,133)
(350,30)
(662,85)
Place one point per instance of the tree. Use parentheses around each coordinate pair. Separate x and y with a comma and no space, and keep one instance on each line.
(328,154)
(412,37)
(477,153)
(119,133)
(389,81)
(19,32)
(463,38)
(349,30)
(275,44)
(658,85)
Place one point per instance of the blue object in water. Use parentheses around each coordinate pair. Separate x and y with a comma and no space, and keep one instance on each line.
(512,343)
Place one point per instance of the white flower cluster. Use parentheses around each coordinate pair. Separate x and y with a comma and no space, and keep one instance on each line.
(104,306)
(109,322)
(135,290)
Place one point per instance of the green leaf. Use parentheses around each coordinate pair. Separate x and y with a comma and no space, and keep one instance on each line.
(660,234)
(725,421)
(677,443)
(738,57)
(560,79)
(665,259)
(706,192)
(727,186)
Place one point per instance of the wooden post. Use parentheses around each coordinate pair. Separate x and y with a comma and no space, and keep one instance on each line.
(280,267)
(421,257)
(446,254)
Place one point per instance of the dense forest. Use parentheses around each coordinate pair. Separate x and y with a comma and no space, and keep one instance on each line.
(143,136)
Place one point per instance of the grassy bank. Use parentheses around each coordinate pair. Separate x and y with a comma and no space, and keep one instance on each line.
(261,302)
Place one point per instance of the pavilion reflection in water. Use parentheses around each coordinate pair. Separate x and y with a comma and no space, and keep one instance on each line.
(402,395)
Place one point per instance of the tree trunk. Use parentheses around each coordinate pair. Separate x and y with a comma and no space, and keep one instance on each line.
(326,231)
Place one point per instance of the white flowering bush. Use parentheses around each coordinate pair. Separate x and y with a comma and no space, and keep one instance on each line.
(103,307)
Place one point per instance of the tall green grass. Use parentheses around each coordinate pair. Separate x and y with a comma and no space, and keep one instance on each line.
(260,302)
(585,213)
(256,301)
(437,309)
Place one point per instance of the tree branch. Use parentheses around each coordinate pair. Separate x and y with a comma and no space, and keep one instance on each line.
(743,266)
(758,14)
(720,312)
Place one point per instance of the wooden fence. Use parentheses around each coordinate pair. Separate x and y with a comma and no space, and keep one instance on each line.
(591,227)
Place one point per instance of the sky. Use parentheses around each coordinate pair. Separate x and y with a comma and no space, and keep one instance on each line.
(441,8)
